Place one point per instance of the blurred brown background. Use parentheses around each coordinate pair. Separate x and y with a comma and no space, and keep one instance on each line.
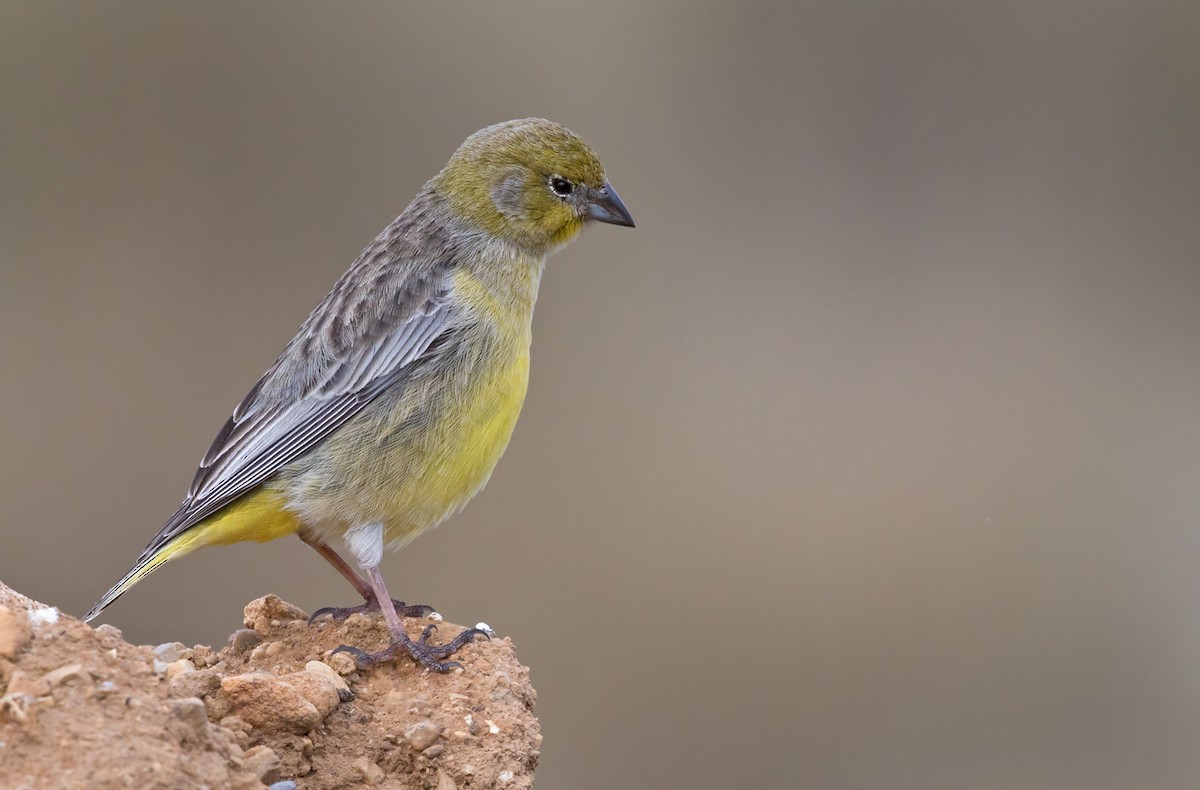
(870,459)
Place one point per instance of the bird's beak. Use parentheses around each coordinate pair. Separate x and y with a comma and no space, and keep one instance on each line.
(605,206)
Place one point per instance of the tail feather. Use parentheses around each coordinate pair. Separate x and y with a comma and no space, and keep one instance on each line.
(259,515)
(152,557)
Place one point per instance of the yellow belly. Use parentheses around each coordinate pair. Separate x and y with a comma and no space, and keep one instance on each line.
(417,454)
(260,515)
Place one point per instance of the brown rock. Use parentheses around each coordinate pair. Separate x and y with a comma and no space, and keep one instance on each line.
(294,703)
(179,667)
(317,689)
(110,635)
(191,714)
(65,674)
(322,669)
(243,639)
(422,735)
(267,703)
(23,684)
(262,762)
(15,707)
(15,632)
(203,656)
(200,683)
(218,708)
(342,663)
(169,652)
(259,613)
(370,773)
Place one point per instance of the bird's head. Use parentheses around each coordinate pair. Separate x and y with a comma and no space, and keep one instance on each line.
(531,182)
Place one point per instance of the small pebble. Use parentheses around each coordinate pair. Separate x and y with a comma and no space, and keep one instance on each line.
(321,669)
(487,629)
(46,615)
(177,667)
(263,762)
(64,674)
(243,639)
(422,735)
(504,777)
(106,632)
(14,707)
(370,772)
(260,612)
(342,663)
(24,684)
(170,652)
(286,784)
(200,683)
(202,656)
(15,632)
(192,713)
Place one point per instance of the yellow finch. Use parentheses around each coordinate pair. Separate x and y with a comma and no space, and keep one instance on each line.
(390,407)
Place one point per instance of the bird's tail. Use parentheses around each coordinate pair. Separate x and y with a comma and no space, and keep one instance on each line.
(152,557)
(260,515)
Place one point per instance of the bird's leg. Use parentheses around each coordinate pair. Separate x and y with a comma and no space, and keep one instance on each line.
(371,604)
(422,652)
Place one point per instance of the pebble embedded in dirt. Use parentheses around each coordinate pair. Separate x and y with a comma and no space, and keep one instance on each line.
(243,639)
(422,735)
(323,670)
(270,703)
(262,762)
(263,614)
(200,683)
(191,713)
(15,631)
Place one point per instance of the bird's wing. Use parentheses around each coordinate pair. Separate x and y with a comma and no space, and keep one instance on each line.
(328,373)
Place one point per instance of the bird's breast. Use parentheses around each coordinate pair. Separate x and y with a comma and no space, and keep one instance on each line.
(420,452)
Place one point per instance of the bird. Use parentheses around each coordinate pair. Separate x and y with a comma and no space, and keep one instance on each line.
(391,406)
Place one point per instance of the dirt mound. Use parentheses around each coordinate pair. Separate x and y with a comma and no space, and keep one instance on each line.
(81,707)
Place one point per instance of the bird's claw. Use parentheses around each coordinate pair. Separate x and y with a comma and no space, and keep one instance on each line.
(421,651)
(342,612)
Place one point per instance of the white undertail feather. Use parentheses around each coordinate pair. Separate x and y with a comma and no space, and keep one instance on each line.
(366,544)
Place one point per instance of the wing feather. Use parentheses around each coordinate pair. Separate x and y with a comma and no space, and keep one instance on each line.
(384,321)
(331,370)
(262,437)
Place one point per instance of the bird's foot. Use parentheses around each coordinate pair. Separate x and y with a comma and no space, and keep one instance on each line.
(371,605)
(421,651)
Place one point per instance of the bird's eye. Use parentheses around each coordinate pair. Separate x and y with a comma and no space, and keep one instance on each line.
(561,186)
